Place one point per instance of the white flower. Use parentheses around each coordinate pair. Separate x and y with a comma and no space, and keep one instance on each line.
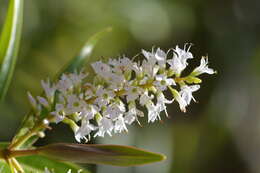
(75,104)
(132,93)
(114,110)
(138,69)
(89,112)
(153,112)
(161,57)
(70,81)
(76,78)
(179,61)
(65,84)
(102,69)
(43,101)
(116,80)
(145,98)
(85,129)
(184,54)
(107,106)
(105,125)
(186,92)
(162,82)
(120,125)
(179,99)
(132,114)
(149,69)
(104,96)
(150,56)
(59,112)
(121,65)
(203,68)
(48,89)
(161,101)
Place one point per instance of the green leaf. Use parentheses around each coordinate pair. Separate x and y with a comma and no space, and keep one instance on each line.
(116,155)
(9,44)
(84,55)
(36,164)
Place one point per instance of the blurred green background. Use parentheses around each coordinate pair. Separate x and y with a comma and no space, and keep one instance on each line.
(220,133)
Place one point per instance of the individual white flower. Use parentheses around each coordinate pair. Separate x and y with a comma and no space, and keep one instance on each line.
(89,112)
(149,69)
(179,99)
(114,110)
(121,65)
(116,80)
(76,78)
(138,69)
(150,56)
(161,57)
(75,104)
(176,65)
(179,61)
(104,96)
(132,93)
(186,92)
(153,111)
(203,68)
(105,125)
(184,54)
(65,84)
(145,98)
(161,101)
(132,114)
(162,82)
(102,69)
(85,129)
(48,89)
(59,113)
(120,125)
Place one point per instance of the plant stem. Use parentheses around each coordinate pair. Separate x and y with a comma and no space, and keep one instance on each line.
(19,153)
(16,165)
(10,163)
(41,125)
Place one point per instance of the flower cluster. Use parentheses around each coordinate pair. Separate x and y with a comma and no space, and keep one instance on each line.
(118,91)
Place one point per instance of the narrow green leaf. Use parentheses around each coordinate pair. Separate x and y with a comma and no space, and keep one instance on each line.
(36,164)
(116,155)
(85,53)
(9,44)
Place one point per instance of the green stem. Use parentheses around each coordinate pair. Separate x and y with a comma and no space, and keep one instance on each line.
(2,154)
(16,165)
(19,153)
(41,125)
(10,163)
